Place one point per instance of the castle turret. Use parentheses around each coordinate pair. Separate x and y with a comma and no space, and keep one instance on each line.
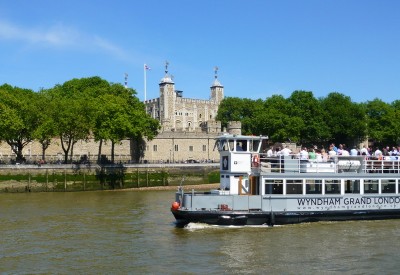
(234,127)
(217,90)
(167,100)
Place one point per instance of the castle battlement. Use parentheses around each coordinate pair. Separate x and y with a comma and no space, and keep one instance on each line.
(191,100)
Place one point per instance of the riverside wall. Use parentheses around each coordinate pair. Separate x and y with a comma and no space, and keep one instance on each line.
(27,178)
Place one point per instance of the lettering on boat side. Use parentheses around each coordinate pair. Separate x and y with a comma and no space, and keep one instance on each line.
(347,203)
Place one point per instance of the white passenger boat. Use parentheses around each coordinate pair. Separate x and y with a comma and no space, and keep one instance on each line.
(256,190)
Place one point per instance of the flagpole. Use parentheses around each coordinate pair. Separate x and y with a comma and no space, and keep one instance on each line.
(145,84)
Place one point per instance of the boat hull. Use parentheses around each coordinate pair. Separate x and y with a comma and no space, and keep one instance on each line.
(241,218)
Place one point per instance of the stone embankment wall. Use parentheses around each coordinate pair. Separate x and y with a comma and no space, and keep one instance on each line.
(27,178)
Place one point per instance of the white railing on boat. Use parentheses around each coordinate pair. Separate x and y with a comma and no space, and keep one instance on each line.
(337,164)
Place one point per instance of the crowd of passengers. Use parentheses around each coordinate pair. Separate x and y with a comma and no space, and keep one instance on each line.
(322,155)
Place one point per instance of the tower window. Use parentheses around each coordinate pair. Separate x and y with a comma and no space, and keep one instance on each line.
(155,148)
(191,148)
(176,147)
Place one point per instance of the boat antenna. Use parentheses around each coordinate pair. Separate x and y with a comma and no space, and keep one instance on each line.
(181,184)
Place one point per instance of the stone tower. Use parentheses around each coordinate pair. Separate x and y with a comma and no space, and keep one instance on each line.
(234,127)
(179,114)
(217,90)
(167,101)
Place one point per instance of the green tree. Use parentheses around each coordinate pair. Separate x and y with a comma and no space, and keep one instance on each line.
(18,118)
(45,131)
(396,121)
(275,122)
(74,111)
(120,115)
(306,107)
(381,122)
(345,119)
(239,109)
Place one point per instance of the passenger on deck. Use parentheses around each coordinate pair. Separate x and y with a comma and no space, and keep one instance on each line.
(318,155)
(353,151)
(311,154)
(286,151)
(332,153)
(364,151)
(304,154)
(344,152)
(270,152)
(324,155)
(334,148)
(378,153)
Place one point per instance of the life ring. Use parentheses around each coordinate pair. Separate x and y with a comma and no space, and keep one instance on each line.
(175,205)
(256,160)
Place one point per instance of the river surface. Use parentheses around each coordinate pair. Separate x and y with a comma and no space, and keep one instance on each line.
(134,233)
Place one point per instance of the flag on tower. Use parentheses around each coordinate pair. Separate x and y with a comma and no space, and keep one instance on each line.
(146,67)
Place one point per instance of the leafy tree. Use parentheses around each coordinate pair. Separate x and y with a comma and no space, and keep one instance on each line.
(239,109)
(381,122)
(120,115)
(45,130)
(303,105)
(18,118)
(345,119)
(275,122)
(396,121)
(73,112)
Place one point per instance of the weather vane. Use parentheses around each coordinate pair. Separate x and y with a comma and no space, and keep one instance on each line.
(166,67)
(216,72)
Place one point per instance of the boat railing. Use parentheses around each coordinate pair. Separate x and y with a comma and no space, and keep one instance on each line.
(336,164)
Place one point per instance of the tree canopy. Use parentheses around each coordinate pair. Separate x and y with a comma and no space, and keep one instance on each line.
(307,120)
(78,109)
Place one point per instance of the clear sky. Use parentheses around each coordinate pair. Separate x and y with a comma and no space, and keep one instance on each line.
(261,47)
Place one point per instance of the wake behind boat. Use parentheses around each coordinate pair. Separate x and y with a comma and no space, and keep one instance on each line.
(260,190)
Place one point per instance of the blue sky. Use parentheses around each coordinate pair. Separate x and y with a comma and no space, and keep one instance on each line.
(261,47)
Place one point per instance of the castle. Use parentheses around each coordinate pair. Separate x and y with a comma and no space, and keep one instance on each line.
(188,129)
(188,126)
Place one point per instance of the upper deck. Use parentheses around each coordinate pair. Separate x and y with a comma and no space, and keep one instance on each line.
(337,164)
(244,154)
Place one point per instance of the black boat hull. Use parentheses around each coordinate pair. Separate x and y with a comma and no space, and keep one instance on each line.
(240,218)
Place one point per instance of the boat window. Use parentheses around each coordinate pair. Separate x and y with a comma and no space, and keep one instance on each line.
(352,186)
(222,145)
(388,186)
(254,144)
(371,186)
(273,187)
(231,144)
(294,187)
(332,186)
(313,186)
(241,145)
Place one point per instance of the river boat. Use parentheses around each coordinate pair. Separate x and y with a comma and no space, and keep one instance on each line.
(259,190)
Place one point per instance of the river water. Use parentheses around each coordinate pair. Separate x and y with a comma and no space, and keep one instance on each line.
(134,233)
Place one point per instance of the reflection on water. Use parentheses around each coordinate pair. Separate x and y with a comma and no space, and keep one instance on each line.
(134,232)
